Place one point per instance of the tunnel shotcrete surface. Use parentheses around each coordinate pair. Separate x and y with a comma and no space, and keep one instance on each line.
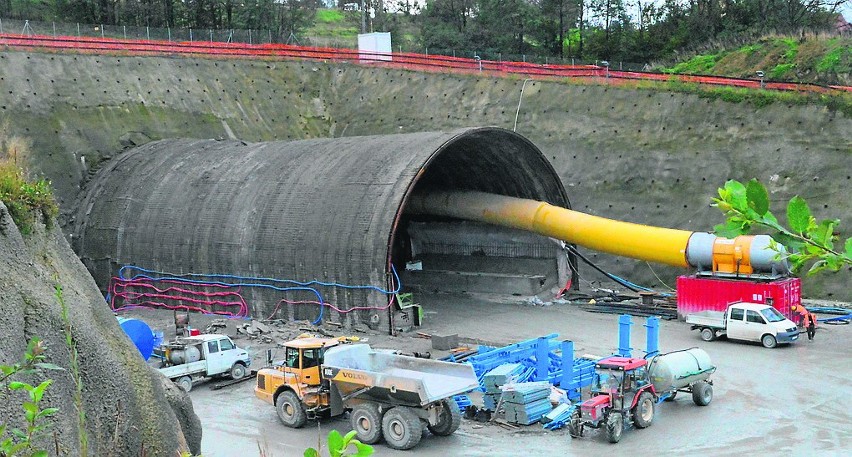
(643,156)
(328,209)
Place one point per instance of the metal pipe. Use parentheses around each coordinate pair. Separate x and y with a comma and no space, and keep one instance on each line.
(567,364)
(652,342)
(743,255)
(624,324)
(654,244)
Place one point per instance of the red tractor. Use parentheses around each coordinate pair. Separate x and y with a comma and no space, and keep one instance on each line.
(622,391)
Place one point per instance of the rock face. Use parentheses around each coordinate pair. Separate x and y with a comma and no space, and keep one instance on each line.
(123,406)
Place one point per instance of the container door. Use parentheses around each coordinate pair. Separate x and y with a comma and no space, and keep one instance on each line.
(215,360)
(736,327)
(756,325)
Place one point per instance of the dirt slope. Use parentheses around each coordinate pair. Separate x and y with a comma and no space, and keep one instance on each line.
(644,156)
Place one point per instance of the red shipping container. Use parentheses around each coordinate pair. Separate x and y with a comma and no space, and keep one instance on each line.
(701,293)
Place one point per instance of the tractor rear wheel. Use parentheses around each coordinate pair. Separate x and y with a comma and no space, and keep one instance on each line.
(614,427)
(708,334)
(290,410)
(575,424)
(401,428)
(643,412)
(449,420)
(702,393)
(366,420)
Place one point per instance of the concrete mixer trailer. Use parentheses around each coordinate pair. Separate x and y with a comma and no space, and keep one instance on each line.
(628,389)
(725,267)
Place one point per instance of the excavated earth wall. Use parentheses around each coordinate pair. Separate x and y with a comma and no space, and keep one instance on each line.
(639,155)
(124,408)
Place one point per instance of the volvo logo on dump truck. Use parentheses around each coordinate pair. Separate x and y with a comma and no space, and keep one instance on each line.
(348,375)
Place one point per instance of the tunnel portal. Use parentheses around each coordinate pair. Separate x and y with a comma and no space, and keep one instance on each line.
(316,212)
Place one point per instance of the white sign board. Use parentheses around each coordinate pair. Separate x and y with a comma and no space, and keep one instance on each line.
(375,46)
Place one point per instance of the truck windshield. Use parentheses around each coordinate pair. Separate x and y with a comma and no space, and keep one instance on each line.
(772,315)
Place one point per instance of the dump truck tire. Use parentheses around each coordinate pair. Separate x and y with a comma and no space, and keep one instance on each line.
(238,371)
(614,427)
(366,420)
(401,428)
(708,334)
(643,412)
(575,424)
(702,393)
(448,421)
(290,410)
(185,383)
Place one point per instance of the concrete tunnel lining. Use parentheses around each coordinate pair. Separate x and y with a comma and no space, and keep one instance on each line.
(326,209)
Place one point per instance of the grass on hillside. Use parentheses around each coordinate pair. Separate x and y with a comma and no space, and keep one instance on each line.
(25,198)
(818,59)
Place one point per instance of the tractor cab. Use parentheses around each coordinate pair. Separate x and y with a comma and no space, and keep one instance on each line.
(620,379)
(303,357)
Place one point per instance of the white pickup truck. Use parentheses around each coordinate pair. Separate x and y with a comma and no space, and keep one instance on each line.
(745,321)
(202,356)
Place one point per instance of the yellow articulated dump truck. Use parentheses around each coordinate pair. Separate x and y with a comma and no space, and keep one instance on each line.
(387,395)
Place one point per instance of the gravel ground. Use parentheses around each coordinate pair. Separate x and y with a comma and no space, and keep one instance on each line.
(793,400)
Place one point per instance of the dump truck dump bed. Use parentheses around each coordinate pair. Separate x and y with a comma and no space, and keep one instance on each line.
(400,378)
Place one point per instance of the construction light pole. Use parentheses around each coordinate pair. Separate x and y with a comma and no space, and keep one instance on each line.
(363,18)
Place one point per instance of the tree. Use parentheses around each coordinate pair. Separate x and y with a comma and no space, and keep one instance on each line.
(810,242)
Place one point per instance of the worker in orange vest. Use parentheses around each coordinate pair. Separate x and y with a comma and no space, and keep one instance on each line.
(809,321)
(806,320)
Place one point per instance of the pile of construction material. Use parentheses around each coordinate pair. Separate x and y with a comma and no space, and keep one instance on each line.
(500,376)
(525,403)
(540,359)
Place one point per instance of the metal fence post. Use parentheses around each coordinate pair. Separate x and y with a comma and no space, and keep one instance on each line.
(54,29)
(1,25)
(270,35)
(211,35)
(125,32)
(190,34)
(102,30)
(78,29)
(170,33)
(250,36)
(148,33)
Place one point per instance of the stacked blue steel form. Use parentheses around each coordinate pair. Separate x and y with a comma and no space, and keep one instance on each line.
(543,359)
(526,403)
(463,401)
(557,418)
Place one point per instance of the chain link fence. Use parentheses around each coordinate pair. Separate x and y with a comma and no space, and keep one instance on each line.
(251,36)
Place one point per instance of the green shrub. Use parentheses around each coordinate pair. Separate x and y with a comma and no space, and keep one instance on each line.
(831,60)
(25,198)
(329,16)
(750,49)
(696,65)
(780,70)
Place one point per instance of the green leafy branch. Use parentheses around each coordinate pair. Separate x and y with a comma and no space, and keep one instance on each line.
(806,240)
(338,446)
(22,442)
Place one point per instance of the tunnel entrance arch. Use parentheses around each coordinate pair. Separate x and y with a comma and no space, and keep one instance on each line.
(330,210)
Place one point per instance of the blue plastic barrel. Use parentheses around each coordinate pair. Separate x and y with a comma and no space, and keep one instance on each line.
(140,334)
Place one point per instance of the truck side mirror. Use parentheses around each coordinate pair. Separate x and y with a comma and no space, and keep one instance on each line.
(269,356)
